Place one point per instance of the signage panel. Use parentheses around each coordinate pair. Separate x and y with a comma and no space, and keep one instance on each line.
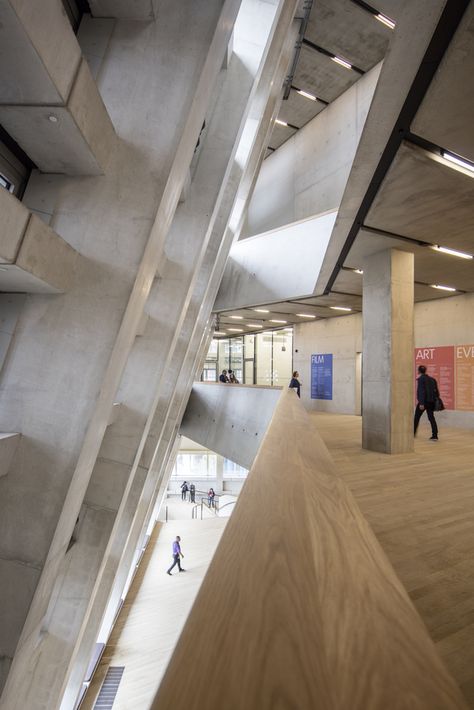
(439,363)
(464,377)
(321,376)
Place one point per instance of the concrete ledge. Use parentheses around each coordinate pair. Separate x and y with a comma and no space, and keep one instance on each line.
(8,446)
(33,258)
(74,139)
(114,412)
(123,9)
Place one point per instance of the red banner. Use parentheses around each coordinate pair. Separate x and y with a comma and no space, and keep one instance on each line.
(465,377)
(439,363)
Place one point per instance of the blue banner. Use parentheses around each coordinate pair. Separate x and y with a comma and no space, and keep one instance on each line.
(321,376)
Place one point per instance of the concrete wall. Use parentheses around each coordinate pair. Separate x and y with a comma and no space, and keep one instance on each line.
(446,321)
(307,174)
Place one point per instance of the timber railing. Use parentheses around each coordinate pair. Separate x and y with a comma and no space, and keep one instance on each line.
(300,608)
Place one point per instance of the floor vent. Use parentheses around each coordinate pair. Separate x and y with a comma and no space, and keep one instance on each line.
(108,691)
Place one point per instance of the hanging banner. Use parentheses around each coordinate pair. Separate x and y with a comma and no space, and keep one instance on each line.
(465,377)
(439,363)
(321,376)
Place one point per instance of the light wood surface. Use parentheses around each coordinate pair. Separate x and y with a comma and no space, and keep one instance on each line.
(300,608)
(156,608)
(421,508)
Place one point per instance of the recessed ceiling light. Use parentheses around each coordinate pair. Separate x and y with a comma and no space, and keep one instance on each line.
(53,118)
(305,315)
(342,62)
(306,95)
(358,271)
(253,325)
(442,288)
(278,321)
(261,310)
(452,252)
(235,330)
(452,158)
(237,317)
(280,123)
(219,332)
(385,20)
(340,308)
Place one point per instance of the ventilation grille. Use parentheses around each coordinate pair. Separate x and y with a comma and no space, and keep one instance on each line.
(110,686)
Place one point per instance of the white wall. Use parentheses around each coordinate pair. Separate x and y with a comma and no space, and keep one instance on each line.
(448,321)
(307,174)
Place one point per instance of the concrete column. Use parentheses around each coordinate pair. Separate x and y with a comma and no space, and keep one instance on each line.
(220,474)
(388,352)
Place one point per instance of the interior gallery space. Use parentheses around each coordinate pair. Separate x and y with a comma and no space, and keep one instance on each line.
(237,342)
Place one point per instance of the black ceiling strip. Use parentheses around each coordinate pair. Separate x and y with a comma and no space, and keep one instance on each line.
(291,125)
(322,101)
(395,235)
(367,7)
(422,143)
(331,55)
(445,29)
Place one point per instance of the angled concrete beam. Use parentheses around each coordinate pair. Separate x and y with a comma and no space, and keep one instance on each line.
(123,9)
(8,447)
(230,420)
(278,265)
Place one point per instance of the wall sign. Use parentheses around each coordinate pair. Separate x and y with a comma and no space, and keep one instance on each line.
(321,376)
(464,377)
(439,363)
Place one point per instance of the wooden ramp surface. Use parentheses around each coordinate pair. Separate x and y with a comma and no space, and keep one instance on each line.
(421,508)
(155,611)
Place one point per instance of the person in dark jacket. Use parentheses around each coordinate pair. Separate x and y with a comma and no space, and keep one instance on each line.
(295,383)
(184,490)
(426,394)
(223,376)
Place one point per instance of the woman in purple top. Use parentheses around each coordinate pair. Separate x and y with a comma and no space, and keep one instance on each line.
(176,555)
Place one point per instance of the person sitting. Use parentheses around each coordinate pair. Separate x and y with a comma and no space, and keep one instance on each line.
(233,378)
(223,376)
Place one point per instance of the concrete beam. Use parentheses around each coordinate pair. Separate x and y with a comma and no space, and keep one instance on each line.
(230,419)
(74,138)
(8,447)
(278,265)
(123,9)
(33,258)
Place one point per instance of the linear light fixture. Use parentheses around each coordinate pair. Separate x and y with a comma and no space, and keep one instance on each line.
(253,325)
(237,317)
(261,310)
(280,123)
(306,95)
(340,308)
(442,288)
(219,332)
(305,315)
(358,271)
(279,321)
(452,158)
(342,62)
(452,252)
(385,20)
(235,330)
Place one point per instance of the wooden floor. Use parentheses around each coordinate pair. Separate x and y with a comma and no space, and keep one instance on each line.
(156,609)
(421,508)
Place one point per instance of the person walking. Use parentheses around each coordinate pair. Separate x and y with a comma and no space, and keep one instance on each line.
(426,394)
(192,492)
(223,376)
(295,383)
(184,490)
(177,554)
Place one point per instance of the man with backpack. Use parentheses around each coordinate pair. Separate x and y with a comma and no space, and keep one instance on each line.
(426,394)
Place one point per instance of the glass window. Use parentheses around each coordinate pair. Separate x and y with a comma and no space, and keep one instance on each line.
(264,358)
(236,357)
(233,470)
(223,360)
(195,465)
(249,346)
(213,348)
(282,357)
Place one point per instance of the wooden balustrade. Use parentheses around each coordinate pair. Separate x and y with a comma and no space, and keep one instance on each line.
(300,608)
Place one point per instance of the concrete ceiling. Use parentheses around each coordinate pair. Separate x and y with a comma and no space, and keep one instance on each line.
(337,27)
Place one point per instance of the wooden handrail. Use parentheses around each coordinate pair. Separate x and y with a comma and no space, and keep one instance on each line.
(300,608)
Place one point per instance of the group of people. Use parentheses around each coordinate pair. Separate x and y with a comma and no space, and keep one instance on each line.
(185,487)
(228,376)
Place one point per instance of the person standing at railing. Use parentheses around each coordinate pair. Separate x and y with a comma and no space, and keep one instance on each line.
(184,490)
(295,383)
(210,498)
(192,492)
(223,377)
(177,554)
